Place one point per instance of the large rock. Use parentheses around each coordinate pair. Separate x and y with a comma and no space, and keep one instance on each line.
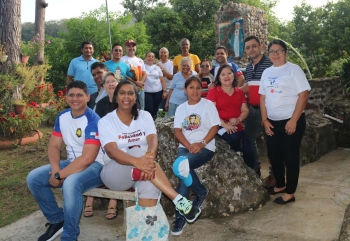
(233,187)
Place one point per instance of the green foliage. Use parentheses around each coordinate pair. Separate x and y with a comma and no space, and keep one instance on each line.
(341,68)
(15,126)
(91,26)
(138,8)
(59,59)
(165,28)
(52,28)
(25,49)
(189,19)
(321,34)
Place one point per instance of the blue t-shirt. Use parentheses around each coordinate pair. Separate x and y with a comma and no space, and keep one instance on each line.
(178,85)
(124,68)
(80,69)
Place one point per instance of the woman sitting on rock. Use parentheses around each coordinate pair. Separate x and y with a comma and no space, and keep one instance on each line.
(232,107)
(196,124)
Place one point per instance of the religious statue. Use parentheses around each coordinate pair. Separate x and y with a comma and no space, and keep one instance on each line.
(237,38)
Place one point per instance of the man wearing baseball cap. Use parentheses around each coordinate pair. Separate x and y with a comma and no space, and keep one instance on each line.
(138,66)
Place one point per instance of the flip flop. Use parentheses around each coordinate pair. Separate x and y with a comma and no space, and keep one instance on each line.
(112,212)
(88,213)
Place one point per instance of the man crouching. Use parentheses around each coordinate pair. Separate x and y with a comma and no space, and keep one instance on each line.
(77,128)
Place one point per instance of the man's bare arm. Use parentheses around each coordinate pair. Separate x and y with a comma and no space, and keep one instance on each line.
(82,162)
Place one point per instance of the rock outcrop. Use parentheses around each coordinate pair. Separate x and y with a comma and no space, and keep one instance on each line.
(233,187)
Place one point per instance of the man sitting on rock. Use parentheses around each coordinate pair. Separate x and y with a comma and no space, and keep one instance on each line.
(76,127)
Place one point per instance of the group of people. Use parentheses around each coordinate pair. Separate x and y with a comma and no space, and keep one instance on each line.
(205,101)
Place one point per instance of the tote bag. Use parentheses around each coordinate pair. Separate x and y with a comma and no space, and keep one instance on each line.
(146,223)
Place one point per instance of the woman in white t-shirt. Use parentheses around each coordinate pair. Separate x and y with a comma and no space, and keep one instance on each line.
(283,98)
(155,88)
(167,67)
(129,137)
(196,124)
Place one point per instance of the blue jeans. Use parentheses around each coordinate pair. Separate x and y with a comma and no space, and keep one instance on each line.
(141,97)
(239,141)
(73,187)
(152,101)
(172,109)
(195,161)
(162,103)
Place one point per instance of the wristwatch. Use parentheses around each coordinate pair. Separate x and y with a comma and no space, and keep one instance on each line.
(204,142)
(57,176)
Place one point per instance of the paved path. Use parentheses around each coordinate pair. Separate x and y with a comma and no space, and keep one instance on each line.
(322,197)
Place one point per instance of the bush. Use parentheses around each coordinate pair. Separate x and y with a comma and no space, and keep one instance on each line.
(341,68)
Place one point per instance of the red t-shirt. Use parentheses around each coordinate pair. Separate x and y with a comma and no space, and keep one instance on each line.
(227,106)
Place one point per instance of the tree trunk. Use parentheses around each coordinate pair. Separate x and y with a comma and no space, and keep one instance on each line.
(40,6)
(10,32)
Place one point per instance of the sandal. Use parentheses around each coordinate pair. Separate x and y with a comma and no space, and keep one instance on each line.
(88,211)
(112,213)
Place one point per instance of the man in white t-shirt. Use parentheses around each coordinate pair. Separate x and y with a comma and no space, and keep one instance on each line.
(138,66)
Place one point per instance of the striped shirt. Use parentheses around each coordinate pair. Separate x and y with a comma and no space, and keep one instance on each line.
(253,76)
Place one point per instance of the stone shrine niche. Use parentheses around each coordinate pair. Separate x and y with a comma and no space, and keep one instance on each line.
(236,21)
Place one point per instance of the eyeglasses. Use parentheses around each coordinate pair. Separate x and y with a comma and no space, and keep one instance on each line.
(205,66)
(118,50)
(274,52)
(111,82)
(129,93)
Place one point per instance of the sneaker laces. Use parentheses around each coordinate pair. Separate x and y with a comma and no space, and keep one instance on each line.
(184,205)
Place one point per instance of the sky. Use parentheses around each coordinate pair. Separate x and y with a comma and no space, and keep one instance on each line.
(60,9)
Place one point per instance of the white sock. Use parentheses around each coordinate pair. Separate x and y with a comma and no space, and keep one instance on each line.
(177,198)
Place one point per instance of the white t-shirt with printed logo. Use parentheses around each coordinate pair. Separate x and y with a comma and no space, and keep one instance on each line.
(133,61)
(196,120)
(111,129)
(281,86)
(153,83)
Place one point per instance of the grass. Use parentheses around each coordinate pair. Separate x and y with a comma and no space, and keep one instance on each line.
(15,164)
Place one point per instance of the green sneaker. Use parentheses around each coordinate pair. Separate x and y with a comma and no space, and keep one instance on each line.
(186,209)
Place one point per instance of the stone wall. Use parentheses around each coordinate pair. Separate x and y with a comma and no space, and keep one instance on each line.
(254,23)
(327,97)
(323,135)
(323,92)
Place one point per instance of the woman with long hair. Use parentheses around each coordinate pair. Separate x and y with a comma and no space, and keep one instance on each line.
(129,137)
